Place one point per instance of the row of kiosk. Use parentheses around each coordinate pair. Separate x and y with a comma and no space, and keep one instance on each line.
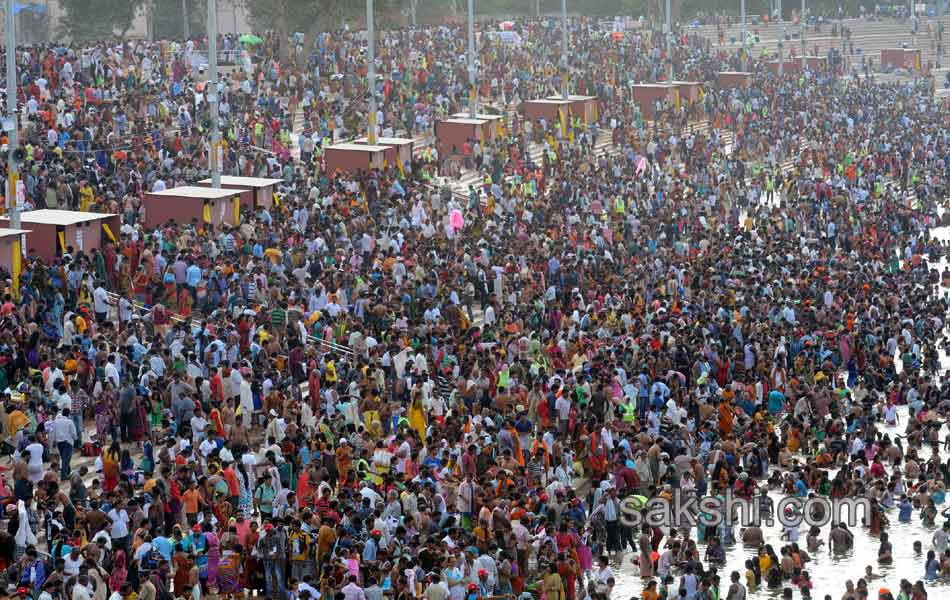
(52,233)
(891,58)
(451,134)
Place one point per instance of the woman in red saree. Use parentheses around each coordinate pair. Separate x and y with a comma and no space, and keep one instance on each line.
(598,456)
(110,466)
(544,414)
(216,420)
(185,302)
(140,286)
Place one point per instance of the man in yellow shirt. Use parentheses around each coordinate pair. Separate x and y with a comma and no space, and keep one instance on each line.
(16,421)
(301,552)
(86,196)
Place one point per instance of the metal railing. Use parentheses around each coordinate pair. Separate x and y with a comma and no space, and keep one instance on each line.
(145,313)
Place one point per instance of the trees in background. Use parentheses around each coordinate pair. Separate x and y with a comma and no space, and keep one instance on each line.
(98,19)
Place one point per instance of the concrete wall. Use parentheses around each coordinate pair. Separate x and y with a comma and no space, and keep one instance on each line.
(6,252)
(232,18)
(42,239)
(160,209)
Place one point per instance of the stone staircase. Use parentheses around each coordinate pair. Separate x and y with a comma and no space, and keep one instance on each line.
(869,38)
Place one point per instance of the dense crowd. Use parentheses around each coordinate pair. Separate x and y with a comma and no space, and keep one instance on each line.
(382,386)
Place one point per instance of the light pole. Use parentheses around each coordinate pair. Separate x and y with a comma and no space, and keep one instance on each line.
(781,41)
(742,34)
(913,30)
(473,89)
(11,126)
(184,19)
(804,30)
(564,67)
(371,72)
(213,93)
(669,41)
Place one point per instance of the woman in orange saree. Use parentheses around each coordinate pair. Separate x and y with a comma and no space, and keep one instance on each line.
(598,456)
(110,466)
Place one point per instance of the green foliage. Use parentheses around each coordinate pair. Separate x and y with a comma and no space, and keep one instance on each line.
(169,24)
(98,19)
(313,15)
(302,15)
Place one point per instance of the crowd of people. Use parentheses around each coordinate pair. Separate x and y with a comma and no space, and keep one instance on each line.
(382,386)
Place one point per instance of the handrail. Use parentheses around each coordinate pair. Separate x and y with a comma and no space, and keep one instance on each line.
(141,307)
(145,311)
(332,345)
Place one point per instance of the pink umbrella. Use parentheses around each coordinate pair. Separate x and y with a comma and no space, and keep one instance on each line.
(672,373)
(507,25)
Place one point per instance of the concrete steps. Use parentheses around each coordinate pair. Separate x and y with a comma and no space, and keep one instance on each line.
(869,38)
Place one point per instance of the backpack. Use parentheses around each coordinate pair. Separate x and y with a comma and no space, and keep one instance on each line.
(150,561)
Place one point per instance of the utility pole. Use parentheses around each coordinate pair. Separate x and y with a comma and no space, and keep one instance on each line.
(781,41)
(804,30)
(742,34)
(213,93)
(564,65)
(473,88)
(11,126)
(184,18)
(150,20)
(669,42)
(371,72)
(913,30)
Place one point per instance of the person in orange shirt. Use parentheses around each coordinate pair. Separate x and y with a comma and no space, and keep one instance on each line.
(191,501)
(650,592)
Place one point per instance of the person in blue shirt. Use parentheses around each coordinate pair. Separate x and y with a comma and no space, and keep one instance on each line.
(138,351)
(33,571)
(371,547)
(644,393)
(801,489)
(193,276)
(932,566)
(432,461)
(905,510)
(164,546)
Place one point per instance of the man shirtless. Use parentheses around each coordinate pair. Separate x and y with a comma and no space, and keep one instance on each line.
(752,536)
(840,539)
(850,593)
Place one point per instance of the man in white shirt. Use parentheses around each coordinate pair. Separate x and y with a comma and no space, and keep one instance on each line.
(437,590)
(81,589)
(352,590)
(373,495)
(34,453)
(206,447)
(101,303)
(198,425)
(120,526)
(111,372)
(55,374)
(563,407)
(73,561)
(64,435)
(61,397)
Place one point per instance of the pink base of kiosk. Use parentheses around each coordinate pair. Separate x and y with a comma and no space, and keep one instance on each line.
(353,158)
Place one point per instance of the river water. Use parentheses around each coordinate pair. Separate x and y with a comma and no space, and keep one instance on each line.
(829,571)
